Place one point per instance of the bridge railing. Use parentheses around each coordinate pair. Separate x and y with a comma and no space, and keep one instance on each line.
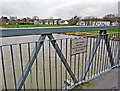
(52,63)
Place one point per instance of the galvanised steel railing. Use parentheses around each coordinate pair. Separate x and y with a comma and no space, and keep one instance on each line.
(47,64)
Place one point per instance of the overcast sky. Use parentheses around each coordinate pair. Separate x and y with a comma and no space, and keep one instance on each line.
(64,9)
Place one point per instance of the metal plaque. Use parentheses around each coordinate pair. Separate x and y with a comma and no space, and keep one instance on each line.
(78,46)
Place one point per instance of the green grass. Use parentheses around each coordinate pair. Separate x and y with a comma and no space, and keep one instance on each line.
(108,31)
(9,26)
(92,32)
(24,26)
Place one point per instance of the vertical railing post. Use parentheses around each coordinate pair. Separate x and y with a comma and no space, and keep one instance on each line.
(118,58)
(118,55)
(31,61)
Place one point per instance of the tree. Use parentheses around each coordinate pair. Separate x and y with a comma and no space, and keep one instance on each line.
(24,20)
(35,18)
(110,17)
(89,20)
(4,20)
(74,20)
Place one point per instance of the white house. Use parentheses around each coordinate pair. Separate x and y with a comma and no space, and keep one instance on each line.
(101,23)
(95,23)
(36,22)
(81,23)
(64,22)
(114,23)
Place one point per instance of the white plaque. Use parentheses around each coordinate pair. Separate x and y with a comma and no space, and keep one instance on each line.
(78,46)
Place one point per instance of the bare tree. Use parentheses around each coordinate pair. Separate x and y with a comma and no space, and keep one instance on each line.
(4,20)
(35,18)
(89,20)
(110,17)
(74,20)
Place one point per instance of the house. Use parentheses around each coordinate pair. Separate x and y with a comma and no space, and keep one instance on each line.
(64,22)
(25,21)
(115,23)
(94,23)
(101,23)
(36,22)
(13,18)
(48,21)
(81,23)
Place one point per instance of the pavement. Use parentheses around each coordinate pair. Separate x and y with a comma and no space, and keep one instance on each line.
(109,81)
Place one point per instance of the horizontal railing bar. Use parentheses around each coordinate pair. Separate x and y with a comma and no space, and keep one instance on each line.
(18,43)
(5,32)
(57,39)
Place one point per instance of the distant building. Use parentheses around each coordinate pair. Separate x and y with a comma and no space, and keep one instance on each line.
(115,23)
(36,22)
(13,18)
(94,23)
(47,21)
(82,23)
(101,23)
(64,22)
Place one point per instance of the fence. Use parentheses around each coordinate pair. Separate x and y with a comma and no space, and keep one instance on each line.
(48,64)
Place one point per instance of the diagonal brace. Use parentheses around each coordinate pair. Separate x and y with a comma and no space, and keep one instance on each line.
(107,42)
(97,43)
(29,64)
(55,45)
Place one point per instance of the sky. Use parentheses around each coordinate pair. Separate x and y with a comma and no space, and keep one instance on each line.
(64,9)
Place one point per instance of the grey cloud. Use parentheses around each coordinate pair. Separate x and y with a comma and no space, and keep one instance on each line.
(86,9)
(27,9)
(57,9)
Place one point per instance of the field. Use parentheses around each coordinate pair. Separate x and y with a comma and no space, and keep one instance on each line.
(23,26)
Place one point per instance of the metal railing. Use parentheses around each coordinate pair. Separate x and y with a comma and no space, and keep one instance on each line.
(47,64)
